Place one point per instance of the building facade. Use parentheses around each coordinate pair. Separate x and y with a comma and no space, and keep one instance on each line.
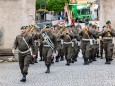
(14,14)
(107,12)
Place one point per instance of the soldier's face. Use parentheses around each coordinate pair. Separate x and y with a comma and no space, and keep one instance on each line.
(23,31)
(109,24)
(87,25)
(48,30)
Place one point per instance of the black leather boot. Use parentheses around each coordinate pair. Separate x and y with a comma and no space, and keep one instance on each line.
(35,60)
(62,58)
(86,62)
(23,78)
(52,60)
(72,61)
(90,59)
(57,59)
(48,69)
(41,59)
(108,61)
(101,56)
(68,63)
(31,61)
(94,59)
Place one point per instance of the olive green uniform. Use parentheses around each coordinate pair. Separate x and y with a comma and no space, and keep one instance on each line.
(47,50)
(67,46)
(24,54)
(108,44)
(86,45)
(76,48)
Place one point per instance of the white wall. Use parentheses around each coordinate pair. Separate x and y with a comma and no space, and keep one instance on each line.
(13,15)
(107,12)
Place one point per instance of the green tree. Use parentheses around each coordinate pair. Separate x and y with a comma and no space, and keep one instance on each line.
(52,5)
(38,4)
(56,5)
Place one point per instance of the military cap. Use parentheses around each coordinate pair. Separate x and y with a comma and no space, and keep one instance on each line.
(48,26)
(61,26)
(32,25)
(108,22)
(93,26)
(86,23)
(90,24)
(23,27)
(103,26)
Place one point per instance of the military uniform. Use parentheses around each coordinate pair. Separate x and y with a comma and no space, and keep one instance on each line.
(76,47)
(95,46)
(47,50)
(24,52)
(59,47)
(86,44)
(108,45)
(67,45)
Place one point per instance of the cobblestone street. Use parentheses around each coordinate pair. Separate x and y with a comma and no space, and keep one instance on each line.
(95,74)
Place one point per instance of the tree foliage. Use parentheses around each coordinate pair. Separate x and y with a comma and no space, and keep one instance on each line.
(52,5)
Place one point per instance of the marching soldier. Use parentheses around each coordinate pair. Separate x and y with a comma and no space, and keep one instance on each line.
(75,40)
(108,45)
(86,43)
(24,43)
(36,45)
(91,57)
(49,45)
(59,47)
(67,44)
(95,43)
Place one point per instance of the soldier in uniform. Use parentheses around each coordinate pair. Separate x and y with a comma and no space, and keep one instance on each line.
(86,43)
(59,47)
(24,43)
(95,43)
(47,49)
(36,44)
(67,44)
(75,40)
(108,45)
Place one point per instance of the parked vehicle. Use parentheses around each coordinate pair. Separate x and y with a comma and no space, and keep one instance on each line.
(41,25)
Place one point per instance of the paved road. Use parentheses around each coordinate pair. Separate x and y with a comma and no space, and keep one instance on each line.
(95,74)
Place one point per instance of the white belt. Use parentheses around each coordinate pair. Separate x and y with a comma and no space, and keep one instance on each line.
(24,51)
(67,42)
(86,39)
(107,37)
(90,40)
(47,45)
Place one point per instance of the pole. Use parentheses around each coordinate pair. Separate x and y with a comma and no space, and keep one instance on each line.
(45,9)
(40,3)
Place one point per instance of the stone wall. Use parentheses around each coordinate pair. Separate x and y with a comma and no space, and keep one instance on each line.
(13,15)
(107,12)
